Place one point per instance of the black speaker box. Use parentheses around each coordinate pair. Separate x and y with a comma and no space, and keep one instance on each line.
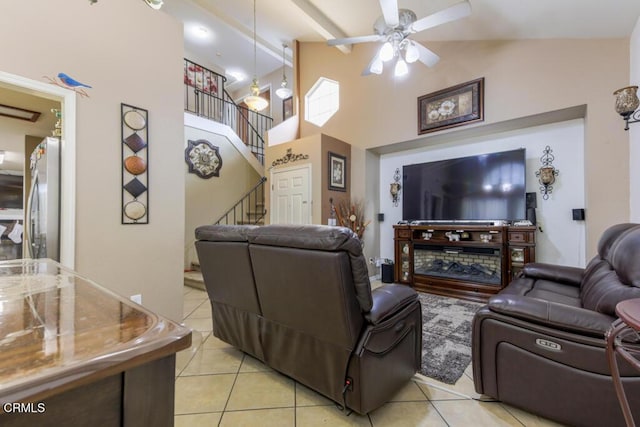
(531,215)
(387,273)
(578,214)
(532,201)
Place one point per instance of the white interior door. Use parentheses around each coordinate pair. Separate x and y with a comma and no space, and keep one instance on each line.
(291,195)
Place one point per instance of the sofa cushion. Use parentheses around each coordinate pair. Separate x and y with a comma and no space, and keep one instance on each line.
(223,233)
(323,238)
(545,290)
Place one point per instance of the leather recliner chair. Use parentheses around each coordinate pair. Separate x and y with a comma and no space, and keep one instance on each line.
(298,298)
(539,344)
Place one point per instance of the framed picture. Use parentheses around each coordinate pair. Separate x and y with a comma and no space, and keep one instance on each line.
(337,172)
(287,108)
(455,106)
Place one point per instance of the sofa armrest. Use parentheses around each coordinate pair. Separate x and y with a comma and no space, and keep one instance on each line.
(556,273)
(388,300)
(552,314)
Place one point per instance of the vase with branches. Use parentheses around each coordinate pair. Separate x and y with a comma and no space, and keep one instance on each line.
(350,214)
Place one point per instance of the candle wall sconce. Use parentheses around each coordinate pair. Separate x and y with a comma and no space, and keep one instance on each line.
(547,173)
(627,103)
(395,187)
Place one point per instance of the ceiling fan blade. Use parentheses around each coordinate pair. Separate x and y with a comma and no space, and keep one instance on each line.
(390,12)
(352,40)
(449,14)
(427,57)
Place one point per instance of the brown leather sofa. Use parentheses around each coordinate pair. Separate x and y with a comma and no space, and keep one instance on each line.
(539,344)
(298,298)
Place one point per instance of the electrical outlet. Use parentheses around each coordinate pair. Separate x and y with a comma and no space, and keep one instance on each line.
(370,260)
(137,298)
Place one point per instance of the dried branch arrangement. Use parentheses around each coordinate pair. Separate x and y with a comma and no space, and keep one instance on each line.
(351,215)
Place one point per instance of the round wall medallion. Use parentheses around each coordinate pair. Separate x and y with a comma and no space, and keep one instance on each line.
(135,210)
(203,158)
(135,165)
(135,120)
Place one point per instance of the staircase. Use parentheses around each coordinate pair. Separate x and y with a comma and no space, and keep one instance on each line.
(249,209)
(206,96)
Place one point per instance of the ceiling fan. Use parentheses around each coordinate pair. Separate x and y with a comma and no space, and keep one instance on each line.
(394,28)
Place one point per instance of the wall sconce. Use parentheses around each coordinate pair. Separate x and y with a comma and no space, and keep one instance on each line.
(395,187)
(547,173)
(626,105)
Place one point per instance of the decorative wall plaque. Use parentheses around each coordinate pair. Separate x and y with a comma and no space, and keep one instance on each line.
(135,164)
(289,157)
(203,158)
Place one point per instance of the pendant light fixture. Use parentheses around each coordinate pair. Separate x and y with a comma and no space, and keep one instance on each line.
(254,101)
(283,91)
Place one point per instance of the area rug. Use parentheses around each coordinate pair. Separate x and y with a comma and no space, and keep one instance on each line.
(446,336)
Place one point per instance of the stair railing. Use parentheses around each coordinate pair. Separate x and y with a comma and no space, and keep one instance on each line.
(202,90)
(249,209)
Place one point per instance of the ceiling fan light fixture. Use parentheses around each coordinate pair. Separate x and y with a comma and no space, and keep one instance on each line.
(154,4)
(401,68)
(411,53)
(376,66)
(386,52)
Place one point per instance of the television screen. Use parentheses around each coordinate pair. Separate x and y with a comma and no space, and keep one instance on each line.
(11,192)
(484,187)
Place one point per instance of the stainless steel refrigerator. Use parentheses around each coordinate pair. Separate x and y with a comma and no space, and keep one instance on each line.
(42,231)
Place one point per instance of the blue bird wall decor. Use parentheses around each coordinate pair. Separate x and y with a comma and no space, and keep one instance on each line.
(67,82)
(70,81)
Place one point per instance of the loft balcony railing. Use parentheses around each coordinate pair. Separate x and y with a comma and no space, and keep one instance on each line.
(206,96)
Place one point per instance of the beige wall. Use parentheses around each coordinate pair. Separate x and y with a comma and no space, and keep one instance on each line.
(634,129)
(522,78)
(207,199)
(129,53)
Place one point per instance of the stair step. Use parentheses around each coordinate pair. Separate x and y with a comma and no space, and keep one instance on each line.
(263,213)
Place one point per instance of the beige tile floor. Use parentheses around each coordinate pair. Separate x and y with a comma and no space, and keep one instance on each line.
(219,385)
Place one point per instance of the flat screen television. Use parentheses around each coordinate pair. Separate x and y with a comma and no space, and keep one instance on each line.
(11,191)
(476,188)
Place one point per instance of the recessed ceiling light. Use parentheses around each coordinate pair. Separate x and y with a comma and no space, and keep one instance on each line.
(198,31)
(238,76)
(202,32)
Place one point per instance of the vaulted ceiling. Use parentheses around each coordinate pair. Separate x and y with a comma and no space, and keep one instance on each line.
(227,43)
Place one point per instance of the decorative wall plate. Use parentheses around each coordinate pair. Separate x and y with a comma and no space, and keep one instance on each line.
(134,119)
(135,165)
(135,210)
(203,158)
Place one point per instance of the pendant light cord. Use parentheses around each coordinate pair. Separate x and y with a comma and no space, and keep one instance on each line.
(255,55)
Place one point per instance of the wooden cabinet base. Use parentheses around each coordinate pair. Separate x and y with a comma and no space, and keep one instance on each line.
(449,288)
(141,396)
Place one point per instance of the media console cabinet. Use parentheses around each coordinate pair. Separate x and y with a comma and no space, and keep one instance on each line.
(465,261)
